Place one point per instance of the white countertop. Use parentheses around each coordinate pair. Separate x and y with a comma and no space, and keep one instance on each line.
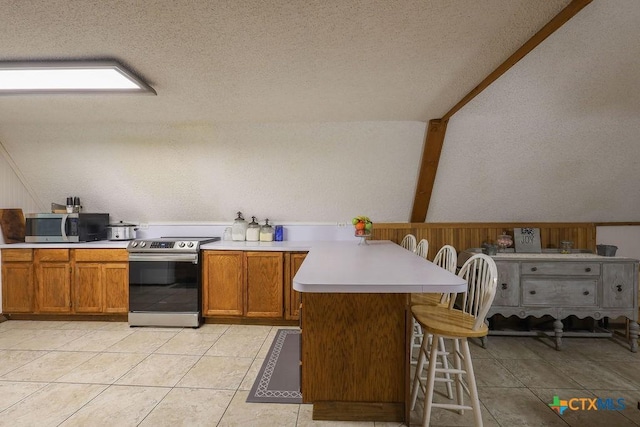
(379,267)
(286,246)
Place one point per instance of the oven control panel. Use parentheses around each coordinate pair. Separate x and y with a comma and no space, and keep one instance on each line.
(163,246)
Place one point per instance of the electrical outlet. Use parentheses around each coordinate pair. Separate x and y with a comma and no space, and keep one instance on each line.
(143,226)
(342,224)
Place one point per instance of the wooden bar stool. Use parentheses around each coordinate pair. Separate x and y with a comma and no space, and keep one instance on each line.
(447,322)
(446,258)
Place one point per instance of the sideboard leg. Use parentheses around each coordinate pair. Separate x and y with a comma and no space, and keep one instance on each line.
(557,328)
(633,335)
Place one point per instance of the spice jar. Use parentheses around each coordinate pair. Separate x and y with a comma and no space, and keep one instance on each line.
(266,232)
(253,230)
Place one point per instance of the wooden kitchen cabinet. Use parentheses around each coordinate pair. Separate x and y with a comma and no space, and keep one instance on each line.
(18,288)
(53,280)
(223,283)
(101,281)
(292,298)
(264,279)
(243,284)
(65,281)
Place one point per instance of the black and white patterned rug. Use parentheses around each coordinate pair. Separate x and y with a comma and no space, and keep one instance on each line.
(279,378)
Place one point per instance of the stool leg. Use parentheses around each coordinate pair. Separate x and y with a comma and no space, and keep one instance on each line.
(471,380)
(422,358)
(457,364)
(431,377)
(445,365)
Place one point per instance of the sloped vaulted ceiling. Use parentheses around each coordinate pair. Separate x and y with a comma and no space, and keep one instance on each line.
(315,111)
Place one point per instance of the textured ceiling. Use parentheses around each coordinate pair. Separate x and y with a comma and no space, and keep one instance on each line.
(282,61)
(315,110)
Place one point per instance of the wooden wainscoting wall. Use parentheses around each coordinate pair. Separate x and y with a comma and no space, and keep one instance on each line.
(471,235)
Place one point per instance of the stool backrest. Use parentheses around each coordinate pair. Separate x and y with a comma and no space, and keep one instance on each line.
(422,249)
(409,242)
(481,275)
(447,258)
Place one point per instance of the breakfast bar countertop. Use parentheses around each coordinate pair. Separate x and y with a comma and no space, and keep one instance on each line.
(381,266)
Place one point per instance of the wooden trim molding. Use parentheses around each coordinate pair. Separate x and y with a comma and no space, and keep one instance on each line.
(471,235)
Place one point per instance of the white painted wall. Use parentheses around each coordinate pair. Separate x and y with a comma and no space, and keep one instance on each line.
(626,238)
(287,172)
(13,193)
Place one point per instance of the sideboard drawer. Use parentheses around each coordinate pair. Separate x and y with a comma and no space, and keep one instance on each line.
(560,292)
(560,268)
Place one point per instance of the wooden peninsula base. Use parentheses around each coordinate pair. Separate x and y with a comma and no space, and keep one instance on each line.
(356,330)
(355,356)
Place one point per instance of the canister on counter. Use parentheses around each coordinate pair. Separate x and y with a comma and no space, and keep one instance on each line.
(279,233)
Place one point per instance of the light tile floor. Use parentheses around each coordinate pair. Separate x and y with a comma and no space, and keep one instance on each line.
(107,374)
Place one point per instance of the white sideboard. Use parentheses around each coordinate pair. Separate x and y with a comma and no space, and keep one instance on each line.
(561,285)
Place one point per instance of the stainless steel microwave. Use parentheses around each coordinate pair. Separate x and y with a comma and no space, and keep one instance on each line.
(63,228)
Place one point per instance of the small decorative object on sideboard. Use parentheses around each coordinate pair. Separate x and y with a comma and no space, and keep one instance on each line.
(527,240)
(504,241)
(606,250)
(363,226)
(566,246)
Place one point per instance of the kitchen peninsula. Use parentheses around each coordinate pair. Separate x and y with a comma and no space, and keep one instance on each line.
(355,325)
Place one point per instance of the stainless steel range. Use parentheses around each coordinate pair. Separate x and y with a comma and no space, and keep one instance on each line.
(165,287)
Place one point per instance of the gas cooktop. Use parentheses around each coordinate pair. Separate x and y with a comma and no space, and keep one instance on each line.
(170,244)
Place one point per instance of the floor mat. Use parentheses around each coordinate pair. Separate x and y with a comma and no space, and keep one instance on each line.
(279,378)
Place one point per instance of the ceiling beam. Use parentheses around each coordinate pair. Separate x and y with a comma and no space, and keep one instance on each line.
(437,127)
(433,141)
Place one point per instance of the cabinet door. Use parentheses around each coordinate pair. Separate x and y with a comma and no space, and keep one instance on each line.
(87,288)
(17,287)
(54,287)
(618,285)
(116,287)
(508,290)
(222,283)
(292,297)
(264,280)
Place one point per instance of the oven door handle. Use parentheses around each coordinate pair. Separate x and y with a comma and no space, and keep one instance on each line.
(192,258)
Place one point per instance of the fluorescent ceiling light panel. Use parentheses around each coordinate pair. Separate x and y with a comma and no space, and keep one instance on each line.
(66,77)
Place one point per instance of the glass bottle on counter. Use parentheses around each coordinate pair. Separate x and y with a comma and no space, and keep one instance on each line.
(253,230)
(239,228)
(266,232)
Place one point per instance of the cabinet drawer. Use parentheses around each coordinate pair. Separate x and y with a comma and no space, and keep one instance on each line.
(560,292)
(52,255)
(561,268)
(17,255)
(100,255)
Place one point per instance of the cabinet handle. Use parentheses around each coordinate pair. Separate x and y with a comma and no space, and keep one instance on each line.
(505,286)
(534,268)
(588,269)
(585,293)
(619,288)
(532,292)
